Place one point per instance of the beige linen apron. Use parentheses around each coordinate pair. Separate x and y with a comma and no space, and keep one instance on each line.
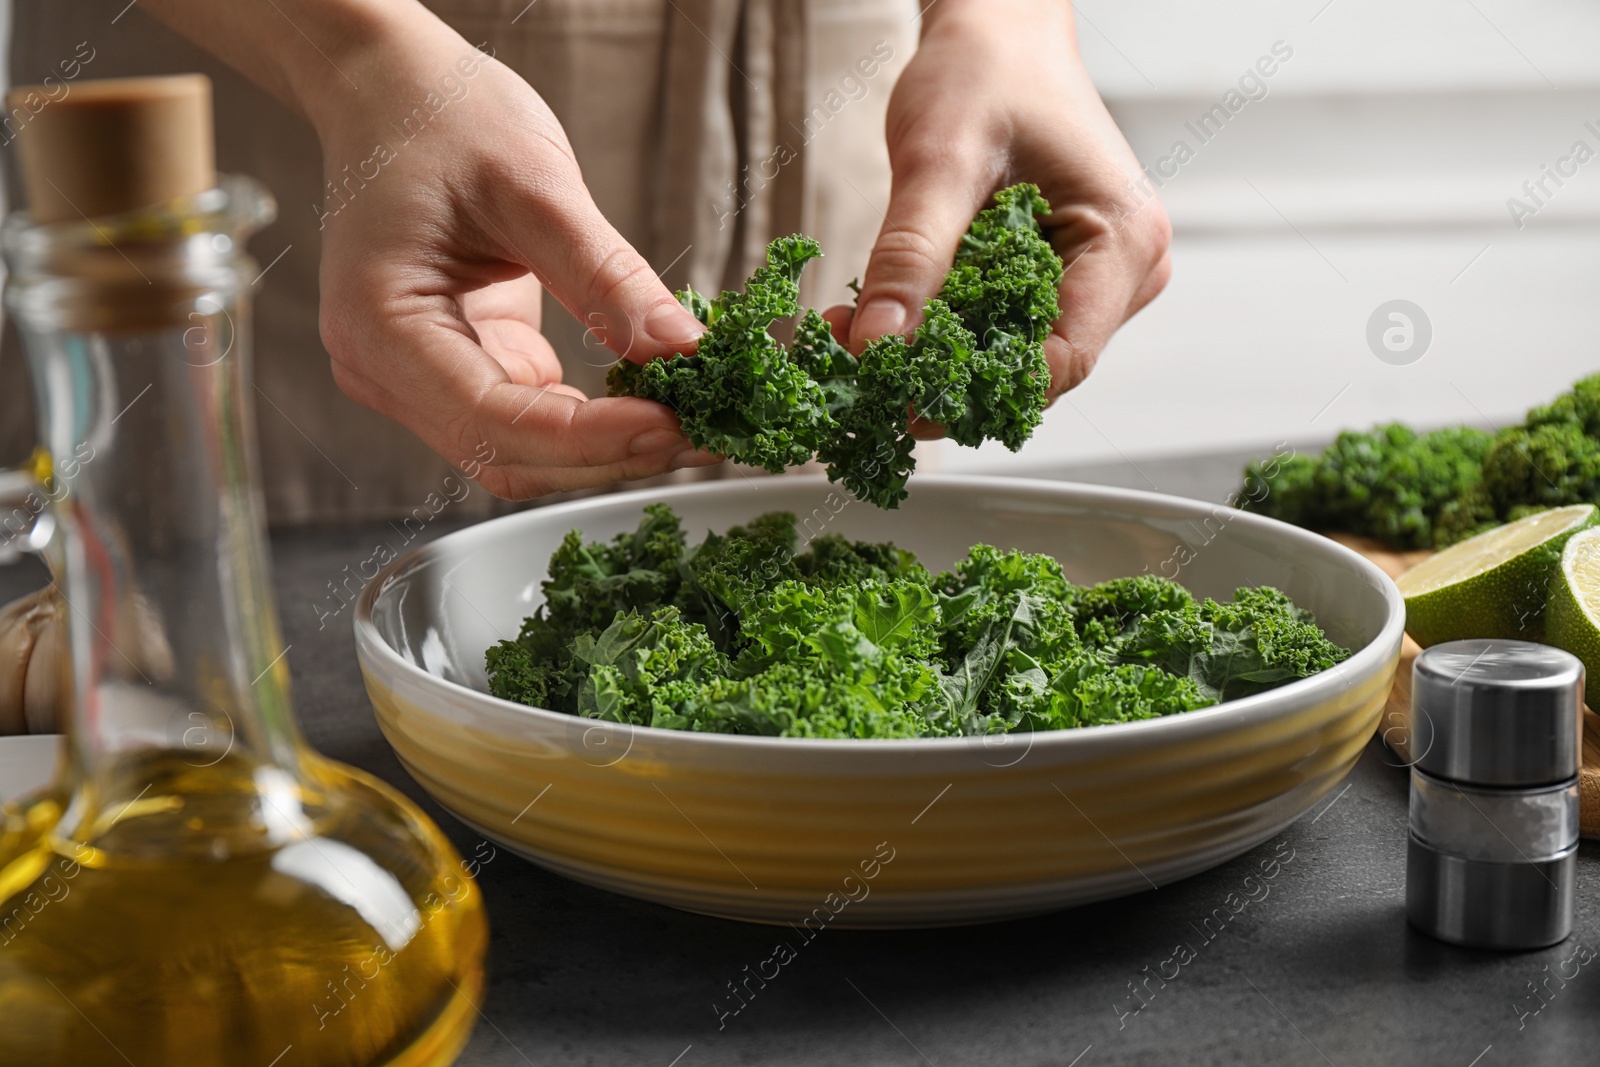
(704,128)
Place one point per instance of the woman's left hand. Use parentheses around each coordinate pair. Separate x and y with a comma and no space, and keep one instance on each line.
(996,94)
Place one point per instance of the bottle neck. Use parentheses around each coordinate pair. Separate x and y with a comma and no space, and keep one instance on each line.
(137,333)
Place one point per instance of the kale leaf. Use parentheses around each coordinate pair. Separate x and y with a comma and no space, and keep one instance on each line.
(975,364)
(1085,690)
(740,394)
(749,632)
(640,669)
(1256,642)
(1391,483)
(1430,490)
(1550,464)
(1004,289)
(589,583)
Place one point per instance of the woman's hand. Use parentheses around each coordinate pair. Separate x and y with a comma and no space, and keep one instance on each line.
(996,94)
(431,277)
(453,197)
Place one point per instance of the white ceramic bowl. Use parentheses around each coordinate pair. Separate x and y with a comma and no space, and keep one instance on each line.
(879,833)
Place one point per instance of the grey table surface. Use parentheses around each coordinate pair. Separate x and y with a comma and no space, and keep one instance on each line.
(1319,967)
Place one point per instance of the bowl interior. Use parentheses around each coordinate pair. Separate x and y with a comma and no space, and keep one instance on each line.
(441,607)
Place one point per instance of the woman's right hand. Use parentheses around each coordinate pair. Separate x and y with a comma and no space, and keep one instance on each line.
(453,199)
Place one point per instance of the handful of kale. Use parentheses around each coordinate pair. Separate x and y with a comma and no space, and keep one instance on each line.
(744,634)
(1430,490)
(975,365)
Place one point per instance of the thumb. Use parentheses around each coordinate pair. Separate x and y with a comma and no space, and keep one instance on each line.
(928,213)
(598,276)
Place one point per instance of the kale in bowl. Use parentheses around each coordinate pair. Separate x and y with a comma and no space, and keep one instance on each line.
(743,633)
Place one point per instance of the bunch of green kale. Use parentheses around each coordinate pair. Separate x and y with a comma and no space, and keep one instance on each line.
(1430,490)
(743,634)
(975,365)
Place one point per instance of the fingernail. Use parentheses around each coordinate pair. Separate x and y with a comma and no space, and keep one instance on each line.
(656,441)
(671,325)
(693,457)
(877,317)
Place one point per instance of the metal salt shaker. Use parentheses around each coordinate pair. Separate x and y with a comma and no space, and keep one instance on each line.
(1493,849)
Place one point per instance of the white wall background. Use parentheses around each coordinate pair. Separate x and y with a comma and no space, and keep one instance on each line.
(1377,167)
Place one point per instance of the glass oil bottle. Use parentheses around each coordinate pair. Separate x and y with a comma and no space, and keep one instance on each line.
(198,887)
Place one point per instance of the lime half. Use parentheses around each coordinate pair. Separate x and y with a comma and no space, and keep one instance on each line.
(1494,585)
(1573,622)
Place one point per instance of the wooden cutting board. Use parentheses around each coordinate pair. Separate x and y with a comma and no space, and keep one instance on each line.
(1395,726)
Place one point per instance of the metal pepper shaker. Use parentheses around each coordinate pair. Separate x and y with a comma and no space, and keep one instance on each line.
(1492,857)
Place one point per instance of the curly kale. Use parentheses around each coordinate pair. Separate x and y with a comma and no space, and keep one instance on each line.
(830,559)
(870,453)
(1255,642)
(1390,483)
(517,673)
(749,633)
(1004,290)
(1580,408)
(974,365)
(828,363)
(1085,690)
(1550,464)
(1466,516)
(986,590)
(1430,490)
(725,576)
(739,394)
(589,583)
(641,668)
(1104,611)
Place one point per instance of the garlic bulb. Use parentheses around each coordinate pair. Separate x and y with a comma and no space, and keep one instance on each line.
(33,664)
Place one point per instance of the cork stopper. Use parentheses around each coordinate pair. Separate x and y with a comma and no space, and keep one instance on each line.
(114,145)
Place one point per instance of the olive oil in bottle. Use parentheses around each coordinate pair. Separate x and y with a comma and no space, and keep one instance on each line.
(197,887)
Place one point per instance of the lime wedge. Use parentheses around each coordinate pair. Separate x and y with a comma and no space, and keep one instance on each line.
(1573,621)
(1493,585)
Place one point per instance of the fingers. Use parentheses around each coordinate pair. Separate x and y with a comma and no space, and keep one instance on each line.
(838,319)
(506,317)
(1110,273)
(514,298)
(525,482)
(931,204)
(465,405)
(431,321)
(579,444)
(540,425)
(526,355)
(557,232)
(1154,282)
